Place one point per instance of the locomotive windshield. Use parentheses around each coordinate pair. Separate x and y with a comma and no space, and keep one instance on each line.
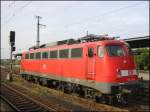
(115,50)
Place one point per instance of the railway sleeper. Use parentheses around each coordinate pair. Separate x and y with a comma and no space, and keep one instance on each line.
(10,94)
(27,109)
(14,99)
(33,106)
(18,98)
(20,103)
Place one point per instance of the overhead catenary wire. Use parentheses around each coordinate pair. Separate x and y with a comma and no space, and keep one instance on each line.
(17,11)
(11,4)
(14,14)
(105,13)
(10,7)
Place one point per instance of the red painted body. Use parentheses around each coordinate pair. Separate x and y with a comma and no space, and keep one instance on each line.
(86,68)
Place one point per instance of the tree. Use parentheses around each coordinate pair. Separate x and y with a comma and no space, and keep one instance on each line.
(142,60)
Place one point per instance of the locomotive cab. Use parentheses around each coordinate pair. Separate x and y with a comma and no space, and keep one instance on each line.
(116,63)
(121,62)
(117,68)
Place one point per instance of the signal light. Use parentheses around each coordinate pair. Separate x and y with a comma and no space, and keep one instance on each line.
(12,36)
(12,43)
(13,48)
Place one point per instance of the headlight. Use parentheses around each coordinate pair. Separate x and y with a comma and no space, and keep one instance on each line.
(134,72)
(124,72)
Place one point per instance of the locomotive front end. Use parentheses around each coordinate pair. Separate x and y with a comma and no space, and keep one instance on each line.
(122,69)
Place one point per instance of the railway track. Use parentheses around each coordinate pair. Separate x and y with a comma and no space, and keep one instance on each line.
(21,102)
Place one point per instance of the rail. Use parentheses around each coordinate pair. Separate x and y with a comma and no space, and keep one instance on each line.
(21,102)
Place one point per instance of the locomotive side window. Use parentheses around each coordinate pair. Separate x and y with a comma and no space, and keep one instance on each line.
(115,50)
(100,51)
(53,54)
(31,55)
(45,55)
(26,56)
(76,52)
(64,53)
(38,55)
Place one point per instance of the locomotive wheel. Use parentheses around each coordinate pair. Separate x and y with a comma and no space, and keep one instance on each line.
(49,84)
(81,92)
(103,99)
(114,101)
(40,81)
(59,86)
(67,88)
(97,98)
(122,99)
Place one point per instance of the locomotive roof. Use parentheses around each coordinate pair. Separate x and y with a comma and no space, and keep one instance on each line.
(104,42)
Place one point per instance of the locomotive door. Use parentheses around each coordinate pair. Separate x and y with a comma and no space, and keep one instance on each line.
(91,72)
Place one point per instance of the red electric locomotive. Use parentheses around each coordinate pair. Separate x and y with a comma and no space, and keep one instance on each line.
(94,66)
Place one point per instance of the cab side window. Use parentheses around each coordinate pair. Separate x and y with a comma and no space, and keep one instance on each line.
(100,51)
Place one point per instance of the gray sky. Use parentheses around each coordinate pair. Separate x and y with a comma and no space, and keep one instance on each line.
(70,19)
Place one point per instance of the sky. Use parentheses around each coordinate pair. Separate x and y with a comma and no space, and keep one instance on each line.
(70,19)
